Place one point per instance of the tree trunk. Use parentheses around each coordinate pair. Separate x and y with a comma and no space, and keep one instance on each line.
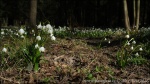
(138,15)
(126,17)
(0,28)
(33,13)
(134,14)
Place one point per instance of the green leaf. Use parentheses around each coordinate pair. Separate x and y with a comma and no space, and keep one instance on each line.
(97,69)
(36,67)
(90,76)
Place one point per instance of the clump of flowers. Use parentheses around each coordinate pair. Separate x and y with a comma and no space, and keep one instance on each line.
(129,53)
(34,48)
(47,29)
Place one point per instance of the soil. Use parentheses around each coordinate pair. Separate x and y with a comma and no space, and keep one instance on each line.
(74,60)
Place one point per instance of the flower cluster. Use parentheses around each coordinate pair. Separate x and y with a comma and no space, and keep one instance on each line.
(47,28)
(130,52)
(133,45)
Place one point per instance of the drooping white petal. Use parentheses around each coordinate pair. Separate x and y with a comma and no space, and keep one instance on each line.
(140,49)
(39,26)
(4,50)
(21,31)
(53,38)
(127,36)
(137,54)
(132,48)
(36,46)
(134,42)
(38,38)
(42,49)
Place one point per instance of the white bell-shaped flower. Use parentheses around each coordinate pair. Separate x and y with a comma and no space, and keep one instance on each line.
(53,38)
(131,48)
(137,54)
(49,28)
(38,38)
(128,43)
(36,46)
(42,49)
(2,33)
(134,42)
(21,31)
(39,26)
(141,49)
(4,50)
(127,36)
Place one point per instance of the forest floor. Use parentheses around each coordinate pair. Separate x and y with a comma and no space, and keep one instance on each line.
(79,61)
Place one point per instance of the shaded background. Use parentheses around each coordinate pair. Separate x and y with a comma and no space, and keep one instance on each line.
(83,13)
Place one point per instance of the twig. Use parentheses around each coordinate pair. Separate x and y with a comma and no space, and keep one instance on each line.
(9,80)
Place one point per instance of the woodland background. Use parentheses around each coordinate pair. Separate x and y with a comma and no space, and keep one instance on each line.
(74,13)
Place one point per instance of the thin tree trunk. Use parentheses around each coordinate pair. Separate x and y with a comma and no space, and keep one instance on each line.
(126,17)
(33,13)
(0,28)
(138,15)
(134,15)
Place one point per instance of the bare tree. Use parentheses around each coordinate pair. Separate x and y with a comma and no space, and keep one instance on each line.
(126,17)
(134,14)
(33,13)
(138,15)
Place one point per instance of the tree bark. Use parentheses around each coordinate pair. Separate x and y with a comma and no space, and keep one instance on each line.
(33,13)
(126,17)
(138,15)
(0,28)
(134,14)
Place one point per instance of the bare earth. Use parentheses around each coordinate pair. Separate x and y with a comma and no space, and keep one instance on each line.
(73,60)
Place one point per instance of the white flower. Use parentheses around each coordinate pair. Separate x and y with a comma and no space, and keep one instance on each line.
(4,50)
(39,26)
(137,54)
(53,38)
(134,42)
(51,35)
(2,33)
(140,49)
(131,48)
(50,28)
(50,31)
(38,38)
(36,46)
(44,27)
(42,49)
(25,33)
(109,42)
(105,39)
(128,43)
(21,31)
(127,36)
(22,36)
(32,31)
(17,34)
